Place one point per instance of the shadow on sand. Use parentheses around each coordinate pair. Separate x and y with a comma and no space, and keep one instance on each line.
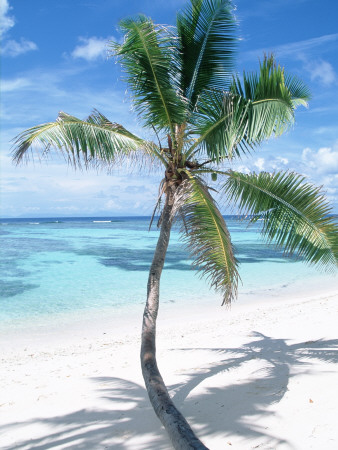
(128,414)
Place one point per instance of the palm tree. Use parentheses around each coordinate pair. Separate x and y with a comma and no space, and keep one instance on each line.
(202,117)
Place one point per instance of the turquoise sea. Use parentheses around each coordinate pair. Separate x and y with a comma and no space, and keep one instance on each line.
(79,265)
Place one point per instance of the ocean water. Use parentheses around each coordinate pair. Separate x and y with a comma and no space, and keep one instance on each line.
(59,266)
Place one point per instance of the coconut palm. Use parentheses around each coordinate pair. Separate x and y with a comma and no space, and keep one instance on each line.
(202,117)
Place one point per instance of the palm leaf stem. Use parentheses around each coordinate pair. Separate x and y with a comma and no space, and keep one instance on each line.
(157,203)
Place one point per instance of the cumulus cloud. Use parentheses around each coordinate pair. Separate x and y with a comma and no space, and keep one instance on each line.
(90,49)
(6,21)
(268,164)
(278,163)
(243,169)
(11,47)
(324,161)
(259,163)
(282,160)
(330,183)
(323,72)
(15,48)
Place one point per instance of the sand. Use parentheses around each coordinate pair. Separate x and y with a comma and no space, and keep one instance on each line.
(261,375)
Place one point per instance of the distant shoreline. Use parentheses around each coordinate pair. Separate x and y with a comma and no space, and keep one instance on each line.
(108,217)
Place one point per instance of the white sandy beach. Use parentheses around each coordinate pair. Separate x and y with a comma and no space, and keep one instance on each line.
(263,375)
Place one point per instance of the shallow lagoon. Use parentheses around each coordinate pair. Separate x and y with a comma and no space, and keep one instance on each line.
(77,265)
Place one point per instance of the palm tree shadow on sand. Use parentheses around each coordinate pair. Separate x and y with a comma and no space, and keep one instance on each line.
(235,405)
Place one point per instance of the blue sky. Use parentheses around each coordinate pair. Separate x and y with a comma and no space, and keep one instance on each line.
(54,57)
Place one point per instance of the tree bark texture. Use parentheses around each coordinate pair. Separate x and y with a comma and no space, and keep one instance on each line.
(178,429)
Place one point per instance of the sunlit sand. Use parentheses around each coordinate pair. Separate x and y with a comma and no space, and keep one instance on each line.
(262,375)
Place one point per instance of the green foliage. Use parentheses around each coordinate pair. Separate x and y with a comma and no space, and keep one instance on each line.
(272,98)
(221,124)
(295,214)
(148,56)
(82,141)
(206,236)
(206,42)
(230,123)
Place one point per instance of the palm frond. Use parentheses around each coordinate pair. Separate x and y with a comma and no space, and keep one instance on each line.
(273,98)
(221,123)
(271,82)
(232,123)
(296,215)
(206,36)
(206,236)
(83,141)
(147,56)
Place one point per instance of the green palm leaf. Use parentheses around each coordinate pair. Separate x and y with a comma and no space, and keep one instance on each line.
(206,235)
(206,36)
(271,82)
(230,123)
(272,97)
(295,214)
(148,57)
(221,122)
(95,139)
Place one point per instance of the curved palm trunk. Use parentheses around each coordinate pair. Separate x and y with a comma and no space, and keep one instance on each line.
(179,431)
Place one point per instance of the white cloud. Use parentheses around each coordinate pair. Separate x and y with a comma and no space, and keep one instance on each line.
(282,160)
(259,163)
(10,47)
(278,163)
(31,209)
(301,46)
(56,189)
(267,164)
(15,48)
(243,169)
(324,161)
(91,49)
(15,84)
(6,21)
(330,130)
(330,184)
(76,185)
(112,205)
(322,71)
(296,49)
